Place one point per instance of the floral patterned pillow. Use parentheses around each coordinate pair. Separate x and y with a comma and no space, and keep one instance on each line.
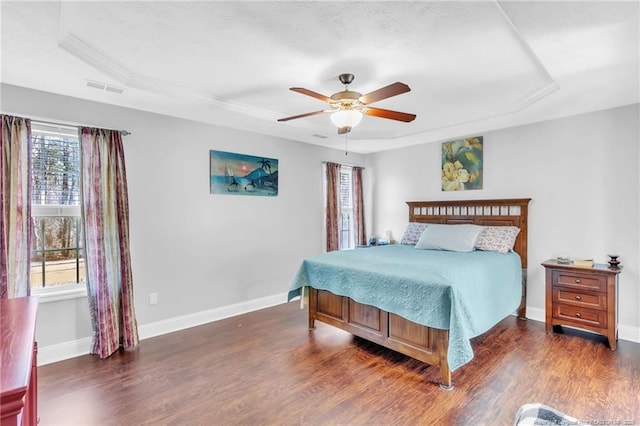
(412,233)
(497,238)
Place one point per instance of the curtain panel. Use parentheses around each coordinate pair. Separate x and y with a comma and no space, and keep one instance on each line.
(105,212)
(358,206)
(332,227)
(15,207)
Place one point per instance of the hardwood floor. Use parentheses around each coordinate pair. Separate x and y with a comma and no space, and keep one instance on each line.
(239,371)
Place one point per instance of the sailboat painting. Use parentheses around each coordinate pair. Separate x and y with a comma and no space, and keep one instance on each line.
(239,174)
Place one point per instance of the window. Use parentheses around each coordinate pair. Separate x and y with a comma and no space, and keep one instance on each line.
(346,209)
(57,257)
(346,232)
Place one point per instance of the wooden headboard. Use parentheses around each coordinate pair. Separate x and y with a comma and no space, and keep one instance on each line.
(502,212)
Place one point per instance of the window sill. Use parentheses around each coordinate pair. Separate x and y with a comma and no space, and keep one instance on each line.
(46,295)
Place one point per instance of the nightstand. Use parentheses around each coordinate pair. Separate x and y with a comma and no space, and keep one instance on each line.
(583,297)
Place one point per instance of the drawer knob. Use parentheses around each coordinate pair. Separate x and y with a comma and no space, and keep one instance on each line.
(578,281)
(578,298)
(578,314)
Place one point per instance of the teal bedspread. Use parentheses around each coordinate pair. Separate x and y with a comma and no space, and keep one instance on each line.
(465,293)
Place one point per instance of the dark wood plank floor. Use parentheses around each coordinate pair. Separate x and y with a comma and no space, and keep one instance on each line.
(241,371)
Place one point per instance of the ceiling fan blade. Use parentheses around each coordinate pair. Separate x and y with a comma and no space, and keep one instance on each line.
(394,89)
(392,115)
(301,115)
(311,93)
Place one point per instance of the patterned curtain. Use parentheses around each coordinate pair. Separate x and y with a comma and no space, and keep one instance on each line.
(105,213)
(358,206)
(333,207)
(15,207)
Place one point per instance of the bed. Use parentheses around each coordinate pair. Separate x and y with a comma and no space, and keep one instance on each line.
(422,303)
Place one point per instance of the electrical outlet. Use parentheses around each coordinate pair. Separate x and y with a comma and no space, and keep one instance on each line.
(153,298)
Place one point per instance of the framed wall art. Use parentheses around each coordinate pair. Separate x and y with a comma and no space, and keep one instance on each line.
(240,174)
(462,164)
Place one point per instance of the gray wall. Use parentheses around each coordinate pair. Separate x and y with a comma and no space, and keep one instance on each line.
(581,173)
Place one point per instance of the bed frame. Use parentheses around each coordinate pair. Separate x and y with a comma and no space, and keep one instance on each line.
(392,331)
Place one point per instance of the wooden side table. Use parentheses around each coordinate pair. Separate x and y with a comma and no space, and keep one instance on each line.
(583,297)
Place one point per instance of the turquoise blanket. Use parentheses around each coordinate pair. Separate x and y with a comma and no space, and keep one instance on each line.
(465,293)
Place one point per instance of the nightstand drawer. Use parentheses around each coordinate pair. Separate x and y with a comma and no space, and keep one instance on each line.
(578,315)
(580,281)
(582,299)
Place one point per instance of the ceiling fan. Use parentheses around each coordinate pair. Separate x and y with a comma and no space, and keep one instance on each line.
(347,107)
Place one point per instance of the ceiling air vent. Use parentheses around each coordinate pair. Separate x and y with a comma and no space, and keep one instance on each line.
(103,86)
(113,89)
(96,85)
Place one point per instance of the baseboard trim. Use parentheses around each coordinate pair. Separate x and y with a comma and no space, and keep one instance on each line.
(171,325)
(75,348)
(62,351)
(536,314)
(626,332)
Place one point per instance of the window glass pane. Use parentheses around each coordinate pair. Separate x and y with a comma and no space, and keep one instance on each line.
(55,171)
(57,272)
(345,188)
(57,256)
(55,233)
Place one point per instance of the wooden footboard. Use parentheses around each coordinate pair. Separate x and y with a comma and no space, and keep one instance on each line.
(429,345)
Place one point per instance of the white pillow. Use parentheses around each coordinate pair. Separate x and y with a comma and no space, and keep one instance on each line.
(449,237)
(497,238)
(412,233)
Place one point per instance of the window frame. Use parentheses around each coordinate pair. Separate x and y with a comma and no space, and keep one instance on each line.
(346,213)
(72,290)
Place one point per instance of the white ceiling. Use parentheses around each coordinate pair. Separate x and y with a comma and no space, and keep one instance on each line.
(472,66)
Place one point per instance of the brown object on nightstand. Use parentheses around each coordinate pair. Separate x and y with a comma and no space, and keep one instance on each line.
(583,297)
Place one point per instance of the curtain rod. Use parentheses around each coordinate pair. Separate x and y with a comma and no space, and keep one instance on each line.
(343,164)
(122,132)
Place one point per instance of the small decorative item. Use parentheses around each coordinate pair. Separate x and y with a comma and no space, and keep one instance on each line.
(462,164)
(240,174)
(614,263)
(563,258)
(373,240)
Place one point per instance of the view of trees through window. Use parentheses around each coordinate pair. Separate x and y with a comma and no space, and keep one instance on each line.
(346,209)
(57,257)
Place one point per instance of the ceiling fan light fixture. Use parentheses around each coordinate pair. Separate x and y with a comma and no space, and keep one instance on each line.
(346,118)
(347,106)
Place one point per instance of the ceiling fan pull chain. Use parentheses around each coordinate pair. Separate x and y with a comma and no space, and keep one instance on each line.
(346,144)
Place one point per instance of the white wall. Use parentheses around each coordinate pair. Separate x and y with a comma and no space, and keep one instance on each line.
(580,172)
(206,256)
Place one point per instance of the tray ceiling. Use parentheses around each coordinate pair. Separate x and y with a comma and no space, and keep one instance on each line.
(471,66)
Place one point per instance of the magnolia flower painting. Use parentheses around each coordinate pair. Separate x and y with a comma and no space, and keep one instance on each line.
(462,164)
